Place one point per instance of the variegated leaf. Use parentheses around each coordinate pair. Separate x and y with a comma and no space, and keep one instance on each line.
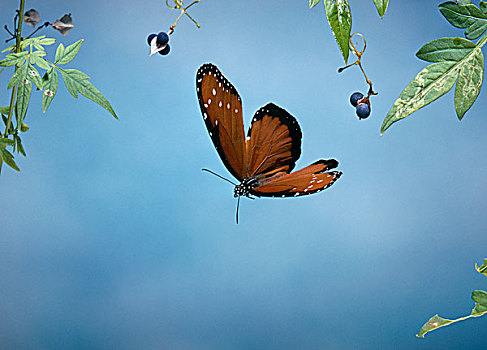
(469,83)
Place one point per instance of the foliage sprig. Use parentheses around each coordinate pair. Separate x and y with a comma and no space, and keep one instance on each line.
(27,57)
(480,309)
(453,60)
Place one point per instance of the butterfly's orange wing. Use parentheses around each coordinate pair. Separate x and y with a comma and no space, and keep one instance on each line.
(273,142)
(221,107)
(311,179)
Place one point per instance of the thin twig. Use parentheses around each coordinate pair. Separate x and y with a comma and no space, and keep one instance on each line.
(8,31)
(358,62)
(179,6)
(38,28)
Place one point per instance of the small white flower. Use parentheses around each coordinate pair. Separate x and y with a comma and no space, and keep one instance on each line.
(48,93)
(33,73)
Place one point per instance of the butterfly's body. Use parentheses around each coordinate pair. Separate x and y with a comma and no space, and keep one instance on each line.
(244,188)
(262,162)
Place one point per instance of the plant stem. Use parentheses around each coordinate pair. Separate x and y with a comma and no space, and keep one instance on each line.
(14,89)
(17,50)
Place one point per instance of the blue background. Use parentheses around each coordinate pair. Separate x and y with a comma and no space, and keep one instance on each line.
(112,237)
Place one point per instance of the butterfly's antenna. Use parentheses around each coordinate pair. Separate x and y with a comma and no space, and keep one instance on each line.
(238,204)
(221,177)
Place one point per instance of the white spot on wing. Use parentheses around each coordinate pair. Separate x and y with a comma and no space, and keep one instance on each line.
(214,92)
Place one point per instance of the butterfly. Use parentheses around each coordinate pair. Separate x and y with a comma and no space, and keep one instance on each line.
(262,162)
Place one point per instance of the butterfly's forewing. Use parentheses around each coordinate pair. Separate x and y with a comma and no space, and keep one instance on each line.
(308,180)
(273,142)
(222,111)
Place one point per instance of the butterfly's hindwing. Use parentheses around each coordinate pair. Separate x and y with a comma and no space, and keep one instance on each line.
(309,180)
(273,142)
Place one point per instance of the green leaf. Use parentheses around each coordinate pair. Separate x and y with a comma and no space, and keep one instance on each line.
(77,81)
(26,42)
(68,54)
(313,3)
(479,309)
(445,49)
(59,53)
(75,74)
(432,324)
(38,47)
(5,141)
(469,83)
(34,76)
(339,17)
(431,83)
(24,90)
(38,53)
(19,75)
(482,269)
(49,82)
(14,59)
(483,7)
(8,158)
(465,16)
(42,63)
(18,145)
(4,110)
(381,6)
(45,41)
(438,78)
(480,297)
(24,127)
(10,48)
